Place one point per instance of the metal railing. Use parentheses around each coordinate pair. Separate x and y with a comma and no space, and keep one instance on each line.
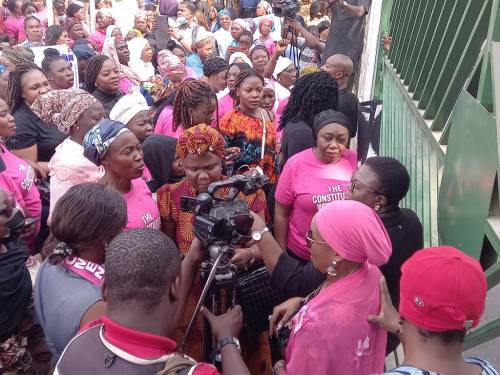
(440,84)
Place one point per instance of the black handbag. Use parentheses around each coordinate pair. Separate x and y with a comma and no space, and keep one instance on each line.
(44,190)
(257,298)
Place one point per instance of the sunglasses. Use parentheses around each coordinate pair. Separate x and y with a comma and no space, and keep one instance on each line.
(310,241)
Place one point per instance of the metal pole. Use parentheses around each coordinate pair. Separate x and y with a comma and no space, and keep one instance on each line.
(202,298)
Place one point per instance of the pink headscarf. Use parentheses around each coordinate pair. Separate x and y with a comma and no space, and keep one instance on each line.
(354,231)
(169,64)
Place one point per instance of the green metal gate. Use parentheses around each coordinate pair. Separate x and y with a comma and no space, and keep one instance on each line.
(440,84)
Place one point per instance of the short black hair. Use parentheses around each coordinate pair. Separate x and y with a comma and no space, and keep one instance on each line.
(393,177)
(140,264)
(12,5)
(446,337)
(52,34)
(323,25)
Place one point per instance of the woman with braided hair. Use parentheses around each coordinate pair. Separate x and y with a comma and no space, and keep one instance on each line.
(194,104)
(12,56)
(313,93)
(250,127)
(67,291)
(103,81)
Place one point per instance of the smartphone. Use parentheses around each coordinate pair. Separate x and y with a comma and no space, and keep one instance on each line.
(161,32)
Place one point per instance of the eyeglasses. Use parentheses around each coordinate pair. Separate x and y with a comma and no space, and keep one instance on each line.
(355,185)
(310,240)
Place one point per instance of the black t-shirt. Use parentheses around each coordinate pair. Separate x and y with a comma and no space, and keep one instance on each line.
(30,131)
(348,105)
(347,32)
(297,137)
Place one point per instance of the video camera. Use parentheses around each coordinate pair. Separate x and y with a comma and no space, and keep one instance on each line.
(224,221)
(286,8)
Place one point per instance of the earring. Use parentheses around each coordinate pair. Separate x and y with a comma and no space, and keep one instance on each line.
(331,270)
(77,127)
(377,208)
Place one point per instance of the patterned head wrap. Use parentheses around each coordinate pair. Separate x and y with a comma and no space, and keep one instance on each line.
(224,12)
(169,64)
(98,139)
(18,54)
(214,66)
(243,23)
(198,140)
(62,108)
(308,70)
(136,32)
(266,6)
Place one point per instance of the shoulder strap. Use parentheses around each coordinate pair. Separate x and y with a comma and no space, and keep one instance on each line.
(178,364)
(264,132)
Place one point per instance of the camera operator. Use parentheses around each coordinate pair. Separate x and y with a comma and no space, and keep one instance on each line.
(145,290)
(347,30)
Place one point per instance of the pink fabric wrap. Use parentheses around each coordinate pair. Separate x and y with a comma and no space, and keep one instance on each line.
(354,231)
(169,64)
(331,334)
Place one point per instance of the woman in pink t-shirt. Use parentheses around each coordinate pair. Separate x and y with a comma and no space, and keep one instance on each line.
(17,169)
(311,179)
(194,104)
(117,149)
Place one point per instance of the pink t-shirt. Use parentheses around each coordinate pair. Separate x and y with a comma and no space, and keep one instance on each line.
(141,208)
(164,123)
(14,28)
(24,177)
(125,85)
(306,184)
(225,105)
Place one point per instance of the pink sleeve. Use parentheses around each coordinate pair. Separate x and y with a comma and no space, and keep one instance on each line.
(205,369)
(284,191)
(164,123)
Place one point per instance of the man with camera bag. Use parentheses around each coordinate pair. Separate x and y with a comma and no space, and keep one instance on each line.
(146,286)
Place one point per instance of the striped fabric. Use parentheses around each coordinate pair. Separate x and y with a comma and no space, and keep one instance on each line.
(409,370)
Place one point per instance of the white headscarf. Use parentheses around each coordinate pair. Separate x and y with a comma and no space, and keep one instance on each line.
(281,64)
(240,55)
(128,106)
(144,70)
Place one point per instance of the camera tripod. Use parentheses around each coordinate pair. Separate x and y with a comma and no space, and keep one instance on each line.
(220,286)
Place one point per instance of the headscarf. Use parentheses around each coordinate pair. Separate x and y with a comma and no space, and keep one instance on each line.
(109,49)
(214,66)
(18,55)
(15,288)
(327,117)
(240,55)
(201,37)
(82,50)
(198,140)
(137,33)
(110,29)
(308,70)
(99,138)
(62,108)
(266,19)
(128,106)
(159,155)
(266,6)
(143,70)
(354,231)
(168,63)
(243,23)
(268,84)
(281,65)
(224,12)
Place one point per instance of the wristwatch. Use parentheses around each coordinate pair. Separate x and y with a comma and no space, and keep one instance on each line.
(228,340)
(258,234)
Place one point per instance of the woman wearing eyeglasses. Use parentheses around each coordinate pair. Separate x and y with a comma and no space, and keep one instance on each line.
(311,179)
(328,331)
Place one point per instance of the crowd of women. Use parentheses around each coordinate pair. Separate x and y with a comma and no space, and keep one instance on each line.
(99,264)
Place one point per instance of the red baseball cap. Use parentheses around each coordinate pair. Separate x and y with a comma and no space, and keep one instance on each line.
(442,289)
